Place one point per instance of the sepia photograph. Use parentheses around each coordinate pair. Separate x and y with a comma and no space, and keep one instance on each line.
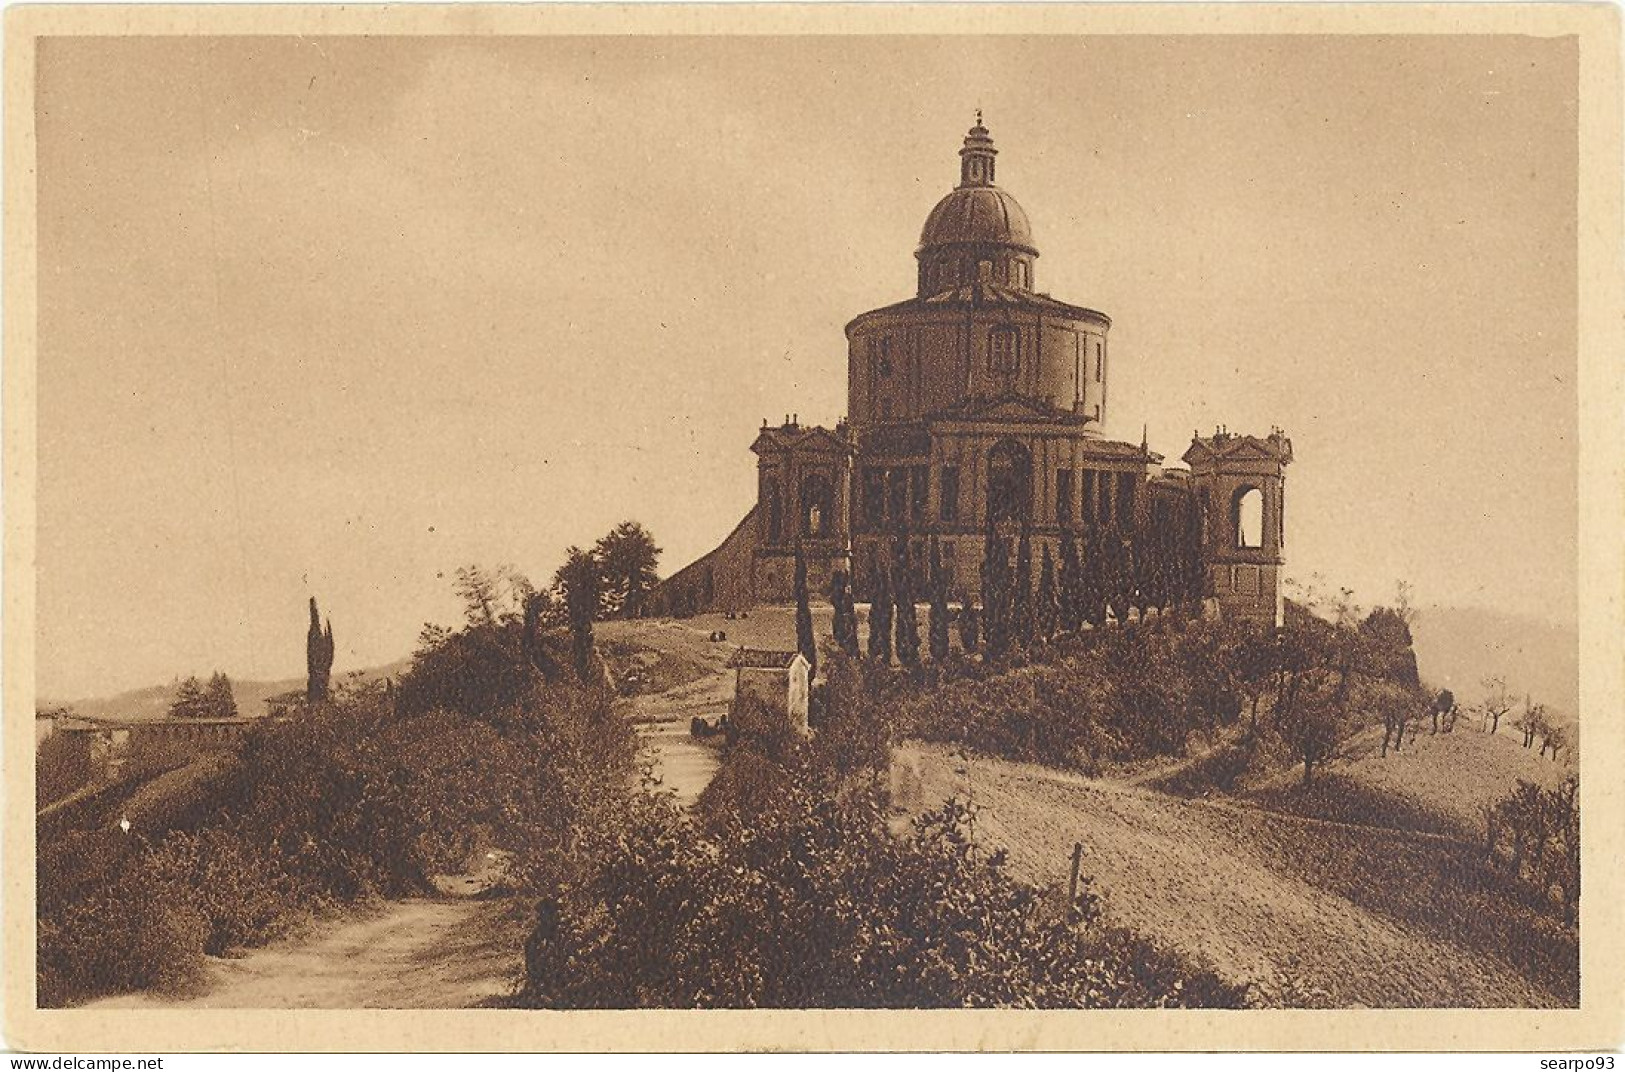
(733,516)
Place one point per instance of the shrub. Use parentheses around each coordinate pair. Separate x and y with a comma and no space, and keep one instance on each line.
(814,903)
(335,805)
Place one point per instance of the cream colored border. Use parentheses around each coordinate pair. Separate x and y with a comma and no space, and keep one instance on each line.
(1597,1024)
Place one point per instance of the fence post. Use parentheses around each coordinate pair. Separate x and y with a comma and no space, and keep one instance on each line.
(1077,859)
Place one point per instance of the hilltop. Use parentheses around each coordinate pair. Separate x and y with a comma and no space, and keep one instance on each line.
(154,701)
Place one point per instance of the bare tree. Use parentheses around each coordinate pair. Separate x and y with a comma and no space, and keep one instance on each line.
(1533,723)
(1555,739)
(1497,702)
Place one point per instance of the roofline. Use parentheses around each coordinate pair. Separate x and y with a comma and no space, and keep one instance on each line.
(1037,305)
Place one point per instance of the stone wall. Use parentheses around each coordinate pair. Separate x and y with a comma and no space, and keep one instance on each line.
(720,581)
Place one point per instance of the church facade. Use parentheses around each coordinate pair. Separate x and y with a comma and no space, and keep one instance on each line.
(979,403)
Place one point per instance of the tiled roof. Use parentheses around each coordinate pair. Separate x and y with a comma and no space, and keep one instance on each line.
(992,294)
(762,658)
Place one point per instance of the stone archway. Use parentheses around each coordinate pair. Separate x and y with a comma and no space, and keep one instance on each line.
(1009,481)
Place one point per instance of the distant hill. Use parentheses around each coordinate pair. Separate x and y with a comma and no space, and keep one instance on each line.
(1457,647)
(154,700)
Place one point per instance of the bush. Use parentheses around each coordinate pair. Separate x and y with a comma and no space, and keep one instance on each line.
(336,805)
(126,935)
(814,903)
(1053,715)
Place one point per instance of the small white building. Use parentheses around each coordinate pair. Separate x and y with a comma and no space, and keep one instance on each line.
(769,685)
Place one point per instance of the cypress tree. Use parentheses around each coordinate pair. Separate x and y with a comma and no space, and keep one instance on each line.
(804,623)
(318,656)
(880,606)
(1193,560)
(1092,578)
(1116,566)
(218,701)
(580,577)
(908,626)
(1070,584)
(846,612)
(1142,572)
(1021,602)
(995,593)
(190,700)
(1047,612)
(939,606)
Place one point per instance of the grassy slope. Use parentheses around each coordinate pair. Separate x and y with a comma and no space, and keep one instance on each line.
(1355,916)
(1440,784)
(1366,916)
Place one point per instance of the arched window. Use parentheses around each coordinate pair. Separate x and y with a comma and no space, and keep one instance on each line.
(1247,513)
(1009,481)
(816,505)
(1004,355)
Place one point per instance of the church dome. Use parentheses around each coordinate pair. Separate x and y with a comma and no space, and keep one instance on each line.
(984,215)
(978,234)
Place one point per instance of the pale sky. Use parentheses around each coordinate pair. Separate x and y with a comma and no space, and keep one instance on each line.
(334,316)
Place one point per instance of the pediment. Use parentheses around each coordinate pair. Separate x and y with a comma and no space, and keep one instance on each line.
(1234,448)
(816,439)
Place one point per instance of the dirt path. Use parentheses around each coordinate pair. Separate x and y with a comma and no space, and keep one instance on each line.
(421,953)
(1199,878)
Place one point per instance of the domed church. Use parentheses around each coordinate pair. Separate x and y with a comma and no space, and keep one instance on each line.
(977,405)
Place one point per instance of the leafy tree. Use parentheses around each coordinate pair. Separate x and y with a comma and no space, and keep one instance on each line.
(1543,835)
(939,606)
(1390,647)
(805,643)
(907,624)
(628,559)
(1315,664)
(880,605)
(1443,705)
(318,657)
(1047,610)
